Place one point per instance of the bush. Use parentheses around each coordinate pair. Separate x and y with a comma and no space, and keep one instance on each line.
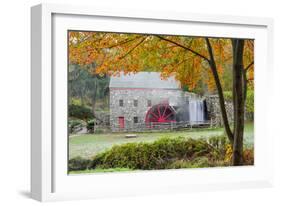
(155,155)
(75,124)
(91,126)
(78,163)
(218,142)
(165,153)
(80,112)
(248,157)
(99,131)
(228,153)
(198,162)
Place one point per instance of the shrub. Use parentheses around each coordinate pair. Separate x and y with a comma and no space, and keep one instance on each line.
(74,125)
(80,112)
(198,162)
(228,153)
(78,163)
(155,155)
(165,153)
(99,131)
(219,143)
(248,157)
(91,126)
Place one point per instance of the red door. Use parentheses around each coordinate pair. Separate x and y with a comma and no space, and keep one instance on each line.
(121,122)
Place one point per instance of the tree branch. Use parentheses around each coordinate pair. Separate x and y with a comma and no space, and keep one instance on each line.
(124,42)
(89,36)
(184,47)
(251,42)
(220,91)
(245,80)
(132,49)
(246,68)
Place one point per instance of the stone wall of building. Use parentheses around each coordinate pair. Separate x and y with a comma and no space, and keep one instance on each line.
(143,96)
(214,111)
(155,96)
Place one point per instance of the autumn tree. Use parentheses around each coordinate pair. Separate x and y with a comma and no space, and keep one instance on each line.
(87,85)
(189,59)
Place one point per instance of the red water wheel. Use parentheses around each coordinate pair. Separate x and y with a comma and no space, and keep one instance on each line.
(160,113)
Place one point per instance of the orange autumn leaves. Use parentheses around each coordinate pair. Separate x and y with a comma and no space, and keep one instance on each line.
(109,52)
(248,61)
(112,53)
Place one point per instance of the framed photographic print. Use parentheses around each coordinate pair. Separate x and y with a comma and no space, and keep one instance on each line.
(134,102)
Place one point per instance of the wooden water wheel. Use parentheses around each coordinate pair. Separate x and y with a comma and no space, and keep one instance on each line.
(161,113)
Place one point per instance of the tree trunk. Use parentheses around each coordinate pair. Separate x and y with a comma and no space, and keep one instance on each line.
(245,85)
(239,106)
(82,98)
(220,92)
(234,82)
(93,98)
(236,138)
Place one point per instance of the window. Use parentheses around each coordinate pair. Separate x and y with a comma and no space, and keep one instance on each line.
(135,102)
(149,103)
(135,119)
(121,102)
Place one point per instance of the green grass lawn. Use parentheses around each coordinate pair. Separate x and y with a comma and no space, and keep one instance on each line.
(89,145)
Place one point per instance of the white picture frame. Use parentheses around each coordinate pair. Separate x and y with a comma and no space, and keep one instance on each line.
(49,179)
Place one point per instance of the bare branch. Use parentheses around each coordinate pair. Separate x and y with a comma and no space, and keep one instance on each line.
(132,49)
(246,68)
(184,47)
(124,42)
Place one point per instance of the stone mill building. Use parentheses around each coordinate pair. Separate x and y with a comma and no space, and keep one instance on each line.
(144,99)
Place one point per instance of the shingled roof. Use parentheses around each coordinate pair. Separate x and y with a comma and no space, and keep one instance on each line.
(143,80)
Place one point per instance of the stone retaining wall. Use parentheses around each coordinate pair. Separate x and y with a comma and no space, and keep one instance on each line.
(214,111)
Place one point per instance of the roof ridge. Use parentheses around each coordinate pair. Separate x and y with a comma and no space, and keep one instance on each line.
(150,80)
